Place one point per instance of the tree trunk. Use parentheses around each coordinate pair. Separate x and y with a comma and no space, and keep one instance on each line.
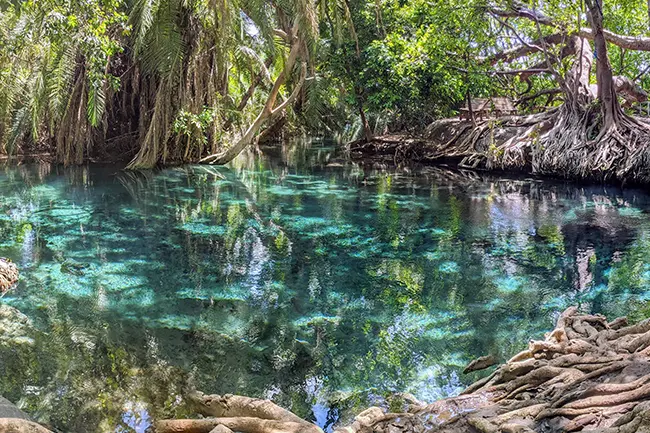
(604,75)
(256,81)
(470,108)
(578,76)
(367,131)
(268,112)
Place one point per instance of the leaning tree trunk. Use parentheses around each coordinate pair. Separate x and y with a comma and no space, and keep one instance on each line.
(269,112)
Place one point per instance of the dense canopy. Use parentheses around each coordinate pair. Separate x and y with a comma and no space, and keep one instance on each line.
(165,81)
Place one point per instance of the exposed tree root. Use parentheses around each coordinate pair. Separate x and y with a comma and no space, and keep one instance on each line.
(239,424)
(588,375)
(239,414)
(567,141)
(8,275)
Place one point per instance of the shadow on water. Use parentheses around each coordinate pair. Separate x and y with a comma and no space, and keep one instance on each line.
(295,275)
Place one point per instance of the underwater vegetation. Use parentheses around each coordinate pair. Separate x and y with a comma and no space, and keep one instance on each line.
(326,286)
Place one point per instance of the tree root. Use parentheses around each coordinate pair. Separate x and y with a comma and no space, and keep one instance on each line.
(239,424)
(567,141)
(588,375)
(480,364)
(8,275)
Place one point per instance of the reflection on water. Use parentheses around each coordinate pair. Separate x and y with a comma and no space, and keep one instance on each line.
(296,276)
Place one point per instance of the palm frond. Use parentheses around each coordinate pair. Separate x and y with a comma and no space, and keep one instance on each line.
(164,43)
(96,100)
(60,81)
(142,18)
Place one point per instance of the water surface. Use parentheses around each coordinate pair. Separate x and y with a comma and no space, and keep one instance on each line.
(296,276)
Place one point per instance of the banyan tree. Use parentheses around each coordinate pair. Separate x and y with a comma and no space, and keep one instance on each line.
(576,116)
(589,135)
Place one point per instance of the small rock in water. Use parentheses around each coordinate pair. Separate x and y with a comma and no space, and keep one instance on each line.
(8,274)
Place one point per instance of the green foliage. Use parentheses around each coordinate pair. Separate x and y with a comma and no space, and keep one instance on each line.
(76,73)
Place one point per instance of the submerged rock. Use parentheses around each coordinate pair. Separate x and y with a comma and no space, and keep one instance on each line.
(15,327)
(18,425)
(8,274)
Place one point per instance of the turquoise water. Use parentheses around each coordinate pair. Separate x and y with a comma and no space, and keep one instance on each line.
(296,276)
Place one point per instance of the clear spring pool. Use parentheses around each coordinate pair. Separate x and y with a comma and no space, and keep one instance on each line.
(297,276)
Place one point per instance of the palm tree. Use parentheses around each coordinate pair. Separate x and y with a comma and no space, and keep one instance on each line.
(175,80)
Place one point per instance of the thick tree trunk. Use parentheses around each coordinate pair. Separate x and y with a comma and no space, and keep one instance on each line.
(578,76)
(604,75)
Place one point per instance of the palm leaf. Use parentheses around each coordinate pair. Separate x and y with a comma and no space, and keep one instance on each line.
(96,100)
(60,81)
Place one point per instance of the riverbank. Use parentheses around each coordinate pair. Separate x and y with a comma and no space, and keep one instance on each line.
(588,375)
(508,144)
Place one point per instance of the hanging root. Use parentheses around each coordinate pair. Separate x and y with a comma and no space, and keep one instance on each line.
(588,375)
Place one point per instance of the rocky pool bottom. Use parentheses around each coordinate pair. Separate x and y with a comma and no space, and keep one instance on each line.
(322,284)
